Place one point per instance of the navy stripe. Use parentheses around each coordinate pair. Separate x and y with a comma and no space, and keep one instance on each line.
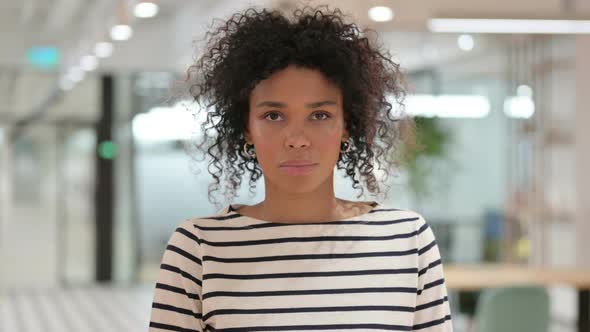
(171,327)
(431,323)
(181,272)
(428,247)
(432,284)
(224,217)
(267,225)
(430,266)
(309,256)
(384,210)
(431,304)
(423,228)
(306,274)
(172,308)
(179,251)
(314,327)
(188,234)
(177,290)
(313,292)
(306,309)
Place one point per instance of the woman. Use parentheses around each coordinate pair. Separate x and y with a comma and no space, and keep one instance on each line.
(290,98)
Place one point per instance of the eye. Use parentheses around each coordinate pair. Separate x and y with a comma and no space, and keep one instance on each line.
(272,116)
(324,114)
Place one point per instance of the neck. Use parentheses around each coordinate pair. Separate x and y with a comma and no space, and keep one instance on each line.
(318,205)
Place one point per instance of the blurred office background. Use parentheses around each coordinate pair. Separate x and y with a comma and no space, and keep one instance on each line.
(94,176)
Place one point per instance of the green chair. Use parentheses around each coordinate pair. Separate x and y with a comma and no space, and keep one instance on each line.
(513,309)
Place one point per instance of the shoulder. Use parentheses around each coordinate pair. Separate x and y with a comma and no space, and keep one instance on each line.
(414,222)
(387,211)
(421,226)
(194,225)
(186,231)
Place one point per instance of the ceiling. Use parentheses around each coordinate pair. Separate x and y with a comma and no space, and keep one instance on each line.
(165,43)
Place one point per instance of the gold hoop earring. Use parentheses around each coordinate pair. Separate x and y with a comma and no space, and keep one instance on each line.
(346,144)
(249,151)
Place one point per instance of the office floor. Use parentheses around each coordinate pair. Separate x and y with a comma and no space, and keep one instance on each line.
(80,309)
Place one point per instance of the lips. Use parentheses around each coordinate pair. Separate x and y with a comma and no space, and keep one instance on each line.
(298,167)
(297,163)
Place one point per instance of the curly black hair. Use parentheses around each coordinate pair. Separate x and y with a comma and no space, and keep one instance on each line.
(252,45)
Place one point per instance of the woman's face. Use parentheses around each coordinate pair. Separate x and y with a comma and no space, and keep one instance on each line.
(296,115)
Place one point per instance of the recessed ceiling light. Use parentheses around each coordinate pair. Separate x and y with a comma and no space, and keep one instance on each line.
(75,74)
(381,14)
(524,91)
(103,49)
(466,42)
(65,83)
(121,32)
(459,25)
(88,63)
(522,107)
(448,106)
(146,9)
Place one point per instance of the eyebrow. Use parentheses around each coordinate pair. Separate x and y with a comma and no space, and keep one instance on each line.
(277,104)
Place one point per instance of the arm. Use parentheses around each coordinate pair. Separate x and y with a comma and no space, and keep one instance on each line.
(432,305)
(177,296)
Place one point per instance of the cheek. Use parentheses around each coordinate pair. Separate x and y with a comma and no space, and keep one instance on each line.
(267,148)
(264,138)
(329,139)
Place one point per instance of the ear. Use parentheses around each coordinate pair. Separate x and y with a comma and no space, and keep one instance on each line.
(247,136)
(345,135)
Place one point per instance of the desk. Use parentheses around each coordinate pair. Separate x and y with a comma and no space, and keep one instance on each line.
(477,276)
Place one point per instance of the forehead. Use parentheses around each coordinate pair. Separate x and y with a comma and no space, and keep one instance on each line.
(296,83)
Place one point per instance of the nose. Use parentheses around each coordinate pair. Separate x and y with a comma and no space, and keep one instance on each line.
(297,139)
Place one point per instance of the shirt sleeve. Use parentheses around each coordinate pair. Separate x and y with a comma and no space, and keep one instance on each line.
(176,304)
(432,305)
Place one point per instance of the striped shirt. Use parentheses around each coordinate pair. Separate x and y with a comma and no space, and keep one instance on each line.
(379,271)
